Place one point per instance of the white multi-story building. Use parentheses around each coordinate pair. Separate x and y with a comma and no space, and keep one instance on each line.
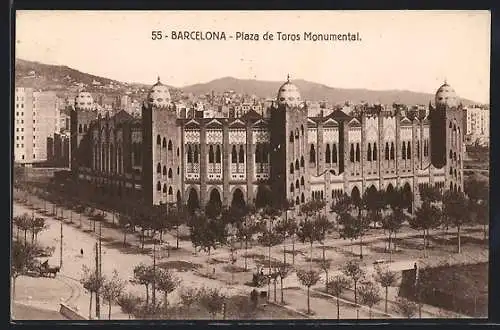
(477,123)
(36,117)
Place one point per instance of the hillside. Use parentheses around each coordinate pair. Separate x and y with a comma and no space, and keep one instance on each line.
(64,79)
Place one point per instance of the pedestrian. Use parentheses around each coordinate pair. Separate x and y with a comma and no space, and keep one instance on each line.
(81,252)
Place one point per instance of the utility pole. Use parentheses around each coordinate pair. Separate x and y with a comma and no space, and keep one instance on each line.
(100,249)
(98,275)
(61,247)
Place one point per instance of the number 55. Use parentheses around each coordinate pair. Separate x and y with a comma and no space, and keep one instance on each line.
(156,35)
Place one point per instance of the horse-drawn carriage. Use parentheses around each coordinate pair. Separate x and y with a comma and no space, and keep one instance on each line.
(43,269)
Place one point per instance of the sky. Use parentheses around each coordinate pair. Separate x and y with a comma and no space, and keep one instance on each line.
(406,50)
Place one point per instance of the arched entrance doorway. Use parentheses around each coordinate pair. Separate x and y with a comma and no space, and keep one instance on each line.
(193,202)
(407,197)
(238,200)
(214,205)
(263,197)
(356,196)
(179,198)
(389,194)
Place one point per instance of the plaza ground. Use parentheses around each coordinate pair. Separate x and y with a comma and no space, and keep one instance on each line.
(196,269)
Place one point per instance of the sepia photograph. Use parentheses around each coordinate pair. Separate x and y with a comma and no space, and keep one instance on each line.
(250,165)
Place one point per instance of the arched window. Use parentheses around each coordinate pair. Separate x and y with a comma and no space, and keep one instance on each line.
(178,171)
(451,171)
(351,153)
(84,128)
(302,181)
(291,187)
(302,199)
(392,150)
(403,150)
(328,154)
(291,168)
(301,161)
(158,168)
(170,173)
(408,151)
(170,145)
(451,154)
(177,151)
(164,170)
(242,155)
(158,139)
(257,153)
(454,156)
(265,153)
(195,158)
(158,186)
(234,155)
(164,143)
(297,184)
(369,152)
(302,129)
(189,154)
(80,128)
(387,151)
(291,137)
(358,153)
(170,192)
(297,164)
(296,134)
(312,154)
(375,151)
(334,153)
(164,188)
(211,155)
(218,155)
(418,149)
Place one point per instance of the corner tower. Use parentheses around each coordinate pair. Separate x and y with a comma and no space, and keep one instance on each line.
(288,144)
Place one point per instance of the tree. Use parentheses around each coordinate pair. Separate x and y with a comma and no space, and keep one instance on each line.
(427,216)
(406,307)
(369,295)
(129,303)
(166,282)
(283,228)
(189,296)
(336,286)
(341,205)
(92,282)
(125,222)
(112,288)
(207,233)
(283,271)
(308,278)
(38,225)
(245,231)
(323,226)
(477,190)
(24,223)
(325,265)
(308,232)
(455,211)
(353,271)
(269,239)
(212,300)
(143,275)
(392,223)
(22,256)
(349,226)
(387,279)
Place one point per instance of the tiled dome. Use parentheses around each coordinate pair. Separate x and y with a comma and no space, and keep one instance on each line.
(84,101)
(159,96)
(446,96)
(289,94)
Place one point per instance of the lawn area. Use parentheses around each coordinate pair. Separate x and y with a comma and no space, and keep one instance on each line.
(23,312)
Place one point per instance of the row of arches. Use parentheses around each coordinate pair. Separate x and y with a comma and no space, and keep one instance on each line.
(82,129)
(164,172)
(108,159)
(297,184)
(291,138)
(164,144)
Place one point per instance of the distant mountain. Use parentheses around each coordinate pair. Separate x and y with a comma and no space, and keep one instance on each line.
(313,91)
(62,78)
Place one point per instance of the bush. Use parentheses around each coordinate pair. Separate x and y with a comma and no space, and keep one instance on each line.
(259,280)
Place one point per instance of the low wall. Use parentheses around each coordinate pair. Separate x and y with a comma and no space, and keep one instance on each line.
(69,313)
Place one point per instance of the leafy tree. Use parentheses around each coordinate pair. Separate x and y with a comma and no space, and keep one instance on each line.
(336,286)
(308,233)
(143,275)
(283,228)
(37,225)
(406,307)
(245,231)
(353,271)
(308,278)
(323,226)
(369,295)
(392,223)
(22,256)
(166,282)
(353,228)
(92,282)
(23,222)
(274,277)
(341,205)
(325,265)
(269,239)
(112,289)
(207,233)
(430,194)
(125,222)
(213,300)
(386,278)
(456,211)
(283,271)
(129,303)
(427,216)
(189,296)
(477,191)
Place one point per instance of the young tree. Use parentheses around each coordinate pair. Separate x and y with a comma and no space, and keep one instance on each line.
(477,190)
(427,216)
(92,282)
(336,286)
(38,225)
(283,271)
(166,282)
(24,223)
(406,307)
(129,303)
(213,300)
(456,211)
(283,229)
(392,223)
(112,289)
(341,205)
(353,271)
(369,295)
(143,275)
(269,239)
(308,233)
(22,256)
(308,278)
(351,228)
(245,231)
(207,233)
(325,265)
(323,226)
(189,296)
(125,222)
(274,277)
(387,279)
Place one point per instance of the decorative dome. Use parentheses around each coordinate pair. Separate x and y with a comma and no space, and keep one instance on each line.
(446,96)
(84,101)
(289,94)
(159,96)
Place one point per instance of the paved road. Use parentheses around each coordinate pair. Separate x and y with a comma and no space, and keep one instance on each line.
(26,312)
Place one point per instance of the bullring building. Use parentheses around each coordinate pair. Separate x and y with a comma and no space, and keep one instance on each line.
(288,156)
